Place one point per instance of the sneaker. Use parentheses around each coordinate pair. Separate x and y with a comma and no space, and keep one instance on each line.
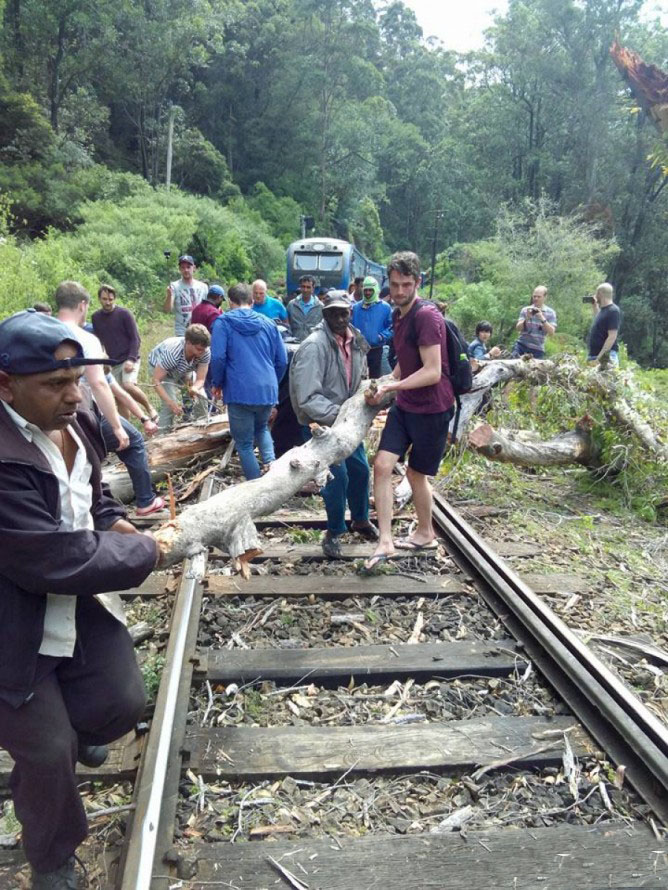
(331,546)
(366,529)
(92,755)
(63,878)
(155,506)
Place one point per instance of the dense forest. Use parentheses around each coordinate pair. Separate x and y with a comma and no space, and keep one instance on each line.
(528,161)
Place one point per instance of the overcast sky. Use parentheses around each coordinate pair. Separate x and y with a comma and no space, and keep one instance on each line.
(461,27)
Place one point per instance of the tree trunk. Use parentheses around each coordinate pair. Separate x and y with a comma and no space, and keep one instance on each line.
(226,519)
(514,448)
(499,371)
(168,453)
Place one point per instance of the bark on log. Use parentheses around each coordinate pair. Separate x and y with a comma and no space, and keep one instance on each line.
(508,447)
(168,453)
(226,519)
(607,385)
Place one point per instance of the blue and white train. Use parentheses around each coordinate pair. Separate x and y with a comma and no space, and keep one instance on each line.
(332,262)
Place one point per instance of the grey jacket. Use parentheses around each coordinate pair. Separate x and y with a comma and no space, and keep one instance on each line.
(318,380)
(302,323)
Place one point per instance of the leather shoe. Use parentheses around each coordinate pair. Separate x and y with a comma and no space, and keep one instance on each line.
(92,755)
(331,546)
(366,529)
(63,878)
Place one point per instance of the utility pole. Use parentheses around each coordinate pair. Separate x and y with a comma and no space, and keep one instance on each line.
(438,215)
(170,142)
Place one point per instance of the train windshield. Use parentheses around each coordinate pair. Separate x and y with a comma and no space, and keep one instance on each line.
(311,262)
(330,262)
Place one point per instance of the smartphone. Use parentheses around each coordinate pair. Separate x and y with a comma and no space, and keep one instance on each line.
(588,299)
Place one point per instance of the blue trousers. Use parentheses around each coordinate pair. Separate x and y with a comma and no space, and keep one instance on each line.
(248,424)
(349,484)
(135,459)
(520,349)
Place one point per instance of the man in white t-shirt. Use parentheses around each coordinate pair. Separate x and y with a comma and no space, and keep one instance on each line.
(72,301)
(184,294)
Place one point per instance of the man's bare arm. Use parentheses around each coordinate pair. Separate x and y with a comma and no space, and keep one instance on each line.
(105,402)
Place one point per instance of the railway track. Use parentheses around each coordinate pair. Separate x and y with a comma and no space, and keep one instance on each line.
(318,729)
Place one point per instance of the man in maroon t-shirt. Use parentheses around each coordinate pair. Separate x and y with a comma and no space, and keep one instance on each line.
(209,309)
(421,415)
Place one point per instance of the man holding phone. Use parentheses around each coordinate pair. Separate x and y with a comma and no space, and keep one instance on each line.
(602,336)
(536,322)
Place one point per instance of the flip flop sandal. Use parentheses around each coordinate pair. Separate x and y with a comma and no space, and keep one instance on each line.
(375,561)
(407,544)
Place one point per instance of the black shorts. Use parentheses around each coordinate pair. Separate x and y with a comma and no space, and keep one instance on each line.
(425,434)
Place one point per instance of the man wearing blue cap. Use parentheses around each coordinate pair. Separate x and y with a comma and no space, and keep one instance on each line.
(69,681)
(209,309)
(184,294)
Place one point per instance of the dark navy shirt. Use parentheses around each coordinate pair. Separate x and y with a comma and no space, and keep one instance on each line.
(609,318)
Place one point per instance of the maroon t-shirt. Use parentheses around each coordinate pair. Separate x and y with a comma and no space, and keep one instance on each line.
(428,329)
(205,313)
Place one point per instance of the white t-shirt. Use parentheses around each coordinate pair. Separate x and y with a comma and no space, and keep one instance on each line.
(186,297)
(92,348)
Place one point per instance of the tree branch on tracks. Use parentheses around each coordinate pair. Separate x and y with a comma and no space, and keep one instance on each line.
(226,519)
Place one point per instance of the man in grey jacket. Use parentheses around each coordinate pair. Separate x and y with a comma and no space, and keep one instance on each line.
(304,311)
(326,370)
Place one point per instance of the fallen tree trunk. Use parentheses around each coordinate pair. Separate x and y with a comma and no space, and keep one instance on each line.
(495,372)
(606,383)
(168,453)
(511,447)
(226,519)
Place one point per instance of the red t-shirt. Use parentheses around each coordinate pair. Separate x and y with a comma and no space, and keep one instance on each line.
(428,329)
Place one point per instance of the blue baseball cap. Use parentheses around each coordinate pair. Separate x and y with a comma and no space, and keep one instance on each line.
(29,339)
(216,291)
(186,258)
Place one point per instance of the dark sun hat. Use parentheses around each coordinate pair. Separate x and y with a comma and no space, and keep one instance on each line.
(29,339)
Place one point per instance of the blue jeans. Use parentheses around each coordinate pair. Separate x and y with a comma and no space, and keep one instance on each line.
(614,357)
(349,484)
(520,349)
(248,424)
(135,459)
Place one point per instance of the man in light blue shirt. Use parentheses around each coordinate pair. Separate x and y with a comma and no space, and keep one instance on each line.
(268,306)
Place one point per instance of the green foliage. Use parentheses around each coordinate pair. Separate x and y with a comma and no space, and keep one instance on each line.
(151,671)
(24,132)
(122,239)
(342,110)
(199,167)
(280,214)
(367,232)
(531,247)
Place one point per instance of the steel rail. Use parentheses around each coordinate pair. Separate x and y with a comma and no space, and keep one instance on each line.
(620,723)
(141,846)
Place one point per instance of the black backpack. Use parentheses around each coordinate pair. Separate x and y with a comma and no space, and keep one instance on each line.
(459,373)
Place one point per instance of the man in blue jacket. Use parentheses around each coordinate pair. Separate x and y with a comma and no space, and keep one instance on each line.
(248,360)
(373,319)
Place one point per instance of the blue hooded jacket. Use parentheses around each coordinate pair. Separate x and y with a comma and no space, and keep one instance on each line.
(248,358)
(373,318)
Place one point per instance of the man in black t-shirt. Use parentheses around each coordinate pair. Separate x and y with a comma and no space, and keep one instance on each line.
(602,337)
